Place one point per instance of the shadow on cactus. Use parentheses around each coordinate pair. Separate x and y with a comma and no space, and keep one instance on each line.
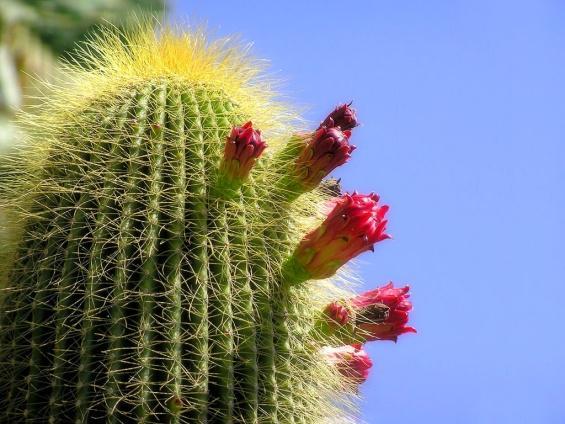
(176,245)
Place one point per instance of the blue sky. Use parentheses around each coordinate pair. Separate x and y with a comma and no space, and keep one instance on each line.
(463,112)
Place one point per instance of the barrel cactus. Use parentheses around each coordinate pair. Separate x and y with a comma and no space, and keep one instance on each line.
(177,246)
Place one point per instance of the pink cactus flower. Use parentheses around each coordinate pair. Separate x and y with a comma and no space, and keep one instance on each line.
(354,225)
(379,314)
(243,146)
(324,151)
(352,361)
(343,117)
(396,299)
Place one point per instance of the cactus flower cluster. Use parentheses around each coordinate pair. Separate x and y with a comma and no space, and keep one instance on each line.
(378,314)
(166,267)
(354,225)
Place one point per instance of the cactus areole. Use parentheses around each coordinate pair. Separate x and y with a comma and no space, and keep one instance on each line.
(165,264)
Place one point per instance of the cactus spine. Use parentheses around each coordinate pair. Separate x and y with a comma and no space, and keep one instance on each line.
(142,288)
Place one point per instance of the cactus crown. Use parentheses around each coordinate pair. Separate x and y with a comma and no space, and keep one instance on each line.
(139,290)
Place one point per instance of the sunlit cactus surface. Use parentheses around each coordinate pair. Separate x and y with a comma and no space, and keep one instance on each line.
(179,252)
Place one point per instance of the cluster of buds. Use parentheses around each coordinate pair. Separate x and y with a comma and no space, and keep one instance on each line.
(354,225)
(379,314)
(326,148)
(243,147)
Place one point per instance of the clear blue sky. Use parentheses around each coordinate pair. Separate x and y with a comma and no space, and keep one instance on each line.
(463,112)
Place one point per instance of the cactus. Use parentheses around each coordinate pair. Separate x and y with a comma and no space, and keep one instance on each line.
(158,275)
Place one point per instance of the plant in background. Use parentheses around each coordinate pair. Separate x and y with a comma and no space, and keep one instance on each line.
(162,273)
(34,33)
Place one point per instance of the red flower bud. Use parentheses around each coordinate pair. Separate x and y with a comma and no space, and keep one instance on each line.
(352,361)
(324,151)
(243,146)
(352,227)
(338,313)
(343,117)
(379,314)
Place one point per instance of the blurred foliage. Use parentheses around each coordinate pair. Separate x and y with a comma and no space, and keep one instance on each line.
(33,33)
(60,23)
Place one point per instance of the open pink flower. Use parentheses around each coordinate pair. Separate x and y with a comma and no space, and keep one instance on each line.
(379,314)
(324,151)
(243,146)
(396,299)
(352,361)
(343,117)
(352,227)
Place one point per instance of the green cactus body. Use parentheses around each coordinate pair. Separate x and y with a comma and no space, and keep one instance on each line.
(139,292)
